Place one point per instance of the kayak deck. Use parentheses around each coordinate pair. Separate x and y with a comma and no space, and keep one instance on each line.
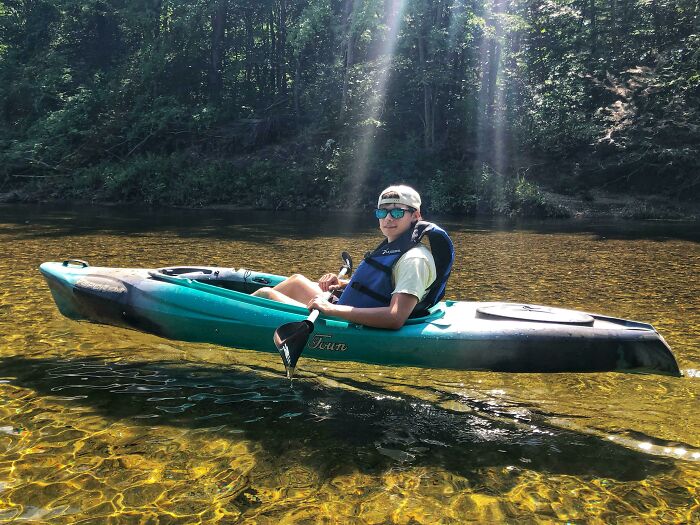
(208,304)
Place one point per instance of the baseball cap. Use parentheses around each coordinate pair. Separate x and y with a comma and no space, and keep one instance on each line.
(400,195)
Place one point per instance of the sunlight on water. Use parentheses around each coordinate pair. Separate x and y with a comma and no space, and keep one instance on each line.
(98,422)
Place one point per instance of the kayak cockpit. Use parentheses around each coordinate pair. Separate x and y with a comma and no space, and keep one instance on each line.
(247,281)
(241,280)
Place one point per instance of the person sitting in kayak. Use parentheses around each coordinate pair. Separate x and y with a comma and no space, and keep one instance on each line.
(397,280)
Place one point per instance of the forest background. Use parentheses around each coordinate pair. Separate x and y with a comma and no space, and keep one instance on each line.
(487,106)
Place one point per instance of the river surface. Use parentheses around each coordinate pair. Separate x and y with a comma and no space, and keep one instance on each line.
(106,425)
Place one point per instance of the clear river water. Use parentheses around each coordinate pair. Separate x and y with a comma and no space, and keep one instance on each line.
(106,425)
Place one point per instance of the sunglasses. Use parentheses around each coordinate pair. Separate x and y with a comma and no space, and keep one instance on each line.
(396,213)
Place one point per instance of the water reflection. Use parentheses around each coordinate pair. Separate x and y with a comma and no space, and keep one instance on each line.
(57,221)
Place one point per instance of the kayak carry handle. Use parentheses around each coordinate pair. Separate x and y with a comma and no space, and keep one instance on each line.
(76,262)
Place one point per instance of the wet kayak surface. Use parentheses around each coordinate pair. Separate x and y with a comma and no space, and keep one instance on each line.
(99,421)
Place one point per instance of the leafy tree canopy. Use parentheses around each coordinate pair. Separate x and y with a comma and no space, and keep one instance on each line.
(288,103)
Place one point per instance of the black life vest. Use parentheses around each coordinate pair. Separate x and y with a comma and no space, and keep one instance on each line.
(371,284)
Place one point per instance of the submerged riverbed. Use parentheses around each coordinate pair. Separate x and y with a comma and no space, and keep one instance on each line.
(99,423)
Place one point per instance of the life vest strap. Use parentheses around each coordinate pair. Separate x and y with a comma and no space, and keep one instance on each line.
(371,293)
(379,266)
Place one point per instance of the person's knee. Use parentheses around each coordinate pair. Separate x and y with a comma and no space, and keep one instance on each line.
(297,277)
(262,292)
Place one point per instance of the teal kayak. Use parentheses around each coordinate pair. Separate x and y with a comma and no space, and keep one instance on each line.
(214,305)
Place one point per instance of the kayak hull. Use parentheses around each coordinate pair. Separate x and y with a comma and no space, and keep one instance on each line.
(456,335)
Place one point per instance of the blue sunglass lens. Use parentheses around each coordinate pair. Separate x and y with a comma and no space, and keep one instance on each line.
(396,213)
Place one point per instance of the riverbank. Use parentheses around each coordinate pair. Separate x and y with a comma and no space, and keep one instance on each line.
(602,204)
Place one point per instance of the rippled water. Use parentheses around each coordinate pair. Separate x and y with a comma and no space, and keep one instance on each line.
(99,424)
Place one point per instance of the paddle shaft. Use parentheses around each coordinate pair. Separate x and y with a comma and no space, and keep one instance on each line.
(290,338)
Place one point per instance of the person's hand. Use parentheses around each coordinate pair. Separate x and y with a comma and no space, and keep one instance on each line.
(328,282)
(320,304)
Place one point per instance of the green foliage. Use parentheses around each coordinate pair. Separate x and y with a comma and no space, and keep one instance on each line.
(496,194)
(310,26)
(482,191)
(651,139)
(647,210)
(127,101)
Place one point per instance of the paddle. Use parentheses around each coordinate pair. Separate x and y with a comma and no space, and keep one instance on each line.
(290,338)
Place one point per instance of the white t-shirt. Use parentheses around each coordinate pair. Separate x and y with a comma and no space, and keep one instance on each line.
(414,272)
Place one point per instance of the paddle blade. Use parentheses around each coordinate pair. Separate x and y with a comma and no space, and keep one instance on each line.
(290,339)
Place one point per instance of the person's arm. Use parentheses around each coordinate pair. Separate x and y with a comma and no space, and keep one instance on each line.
(391,317)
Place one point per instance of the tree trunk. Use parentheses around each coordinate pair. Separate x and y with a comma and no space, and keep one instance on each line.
(349,44)
(594,29)
(428,122)
(656,17)
(218,26)
(613,23)
(157,6)
(494,55)
(249,50)
(297,91)
(281,49)
(428,59)
(272,57)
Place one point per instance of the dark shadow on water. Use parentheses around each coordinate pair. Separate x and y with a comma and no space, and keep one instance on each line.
(614,229)
(33,221)
(51,221)
(371,431)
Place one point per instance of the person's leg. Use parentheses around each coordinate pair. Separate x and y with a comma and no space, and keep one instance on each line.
(297,288)
(271,293)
